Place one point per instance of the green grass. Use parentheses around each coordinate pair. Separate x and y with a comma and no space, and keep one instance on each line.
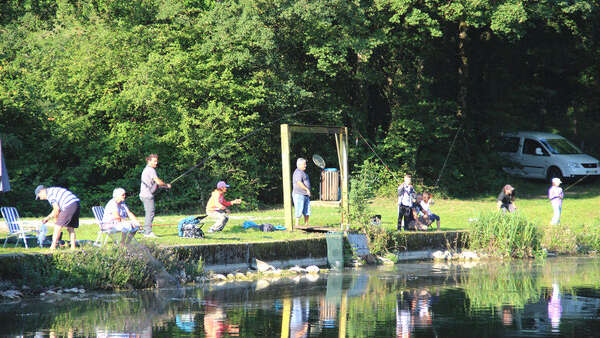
(580,209)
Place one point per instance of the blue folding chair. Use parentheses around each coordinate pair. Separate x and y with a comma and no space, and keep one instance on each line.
(104,232)
(16,228)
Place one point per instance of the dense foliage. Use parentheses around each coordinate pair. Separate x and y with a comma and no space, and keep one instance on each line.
(505,235)
(107,268)
(89,87)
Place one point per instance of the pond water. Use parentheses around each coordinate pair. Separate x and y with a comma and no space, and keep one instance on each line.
(556,297)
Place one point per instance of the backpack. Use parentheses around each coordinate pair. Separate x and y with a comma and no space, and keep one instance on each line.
(191,227)
(267,227)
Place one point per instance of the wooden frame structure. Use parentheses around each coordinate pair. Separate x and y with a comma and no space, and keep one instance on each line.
(341,141)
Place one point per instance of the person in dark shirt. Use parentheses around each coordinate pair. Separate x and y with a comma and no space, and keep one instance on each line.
(506,199)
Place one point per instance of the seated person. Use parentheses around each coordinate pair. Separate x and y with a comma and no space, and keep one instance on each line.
(426,204)
(506,199)
(420,220)
(118,217)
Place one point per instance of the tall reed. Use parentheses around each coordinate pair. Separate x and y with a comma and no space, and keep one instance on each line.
(505,235)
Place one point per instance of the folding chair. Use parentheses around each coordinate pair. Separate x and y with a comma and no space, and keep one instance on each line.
(103,233)
(16,228)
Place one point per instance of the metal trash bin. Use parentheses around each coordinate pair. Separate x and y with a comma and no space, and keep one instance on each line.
(335,250)
(330,184)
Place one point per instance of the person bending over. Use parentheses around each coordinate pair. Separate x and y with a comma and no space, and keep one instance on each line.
(506,199)
(65,211)
(217,207)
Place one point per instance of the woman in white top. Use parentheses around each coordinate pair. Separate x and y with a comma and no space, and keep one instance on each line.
(426,203)
(118,217)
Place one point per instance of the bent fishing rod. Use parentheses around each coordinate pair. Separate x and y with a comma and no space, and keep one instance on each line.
(201,163)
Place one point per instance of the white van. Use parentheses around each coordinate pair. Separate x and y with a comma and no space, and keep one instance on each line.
(545,155)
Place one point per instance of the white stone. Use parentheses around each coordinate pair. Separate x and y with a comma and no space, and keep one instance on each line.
(261,284)
(312,269)
(312,277)
(263,266)
(385,261)
(297,269)
(11,294)
(469,255)
(441,255)
(219,277)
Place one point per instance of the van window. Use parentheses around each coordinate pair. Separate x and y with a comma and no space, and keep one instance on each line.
(530,145)
(560,146)
(508,144)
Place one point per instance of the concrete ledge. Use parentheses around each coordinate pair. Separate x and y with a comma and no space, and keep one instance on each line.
(232,257)
(415,255)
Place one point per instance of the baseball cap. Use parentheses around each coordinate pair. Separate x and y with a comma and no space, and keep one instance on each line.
(556,180)
(38,189)
(222,184)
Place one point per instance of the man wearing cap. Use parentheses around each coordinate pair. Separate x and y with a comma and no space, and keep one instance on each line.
(65,211)
(556,195)
(149,183)
(301,192)
(217,206)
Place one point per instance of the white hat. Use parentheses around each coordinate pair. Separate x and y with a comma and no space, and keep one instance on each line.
(556,180)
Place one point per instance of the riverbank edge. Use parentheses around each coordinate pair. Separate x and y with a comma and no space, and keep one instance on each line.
(224,258)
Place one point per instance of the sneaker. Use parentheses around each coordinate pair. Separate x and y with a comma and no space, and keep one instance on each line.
(210,231)
(150,235)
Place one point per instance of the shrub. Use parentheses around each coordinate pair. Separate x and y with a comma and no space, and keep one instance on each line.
(560,239)
(505,235)
(588,238)
(106,268)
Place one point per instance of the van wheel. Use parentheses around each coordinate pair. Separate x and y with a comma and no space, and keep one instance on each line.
(554,172)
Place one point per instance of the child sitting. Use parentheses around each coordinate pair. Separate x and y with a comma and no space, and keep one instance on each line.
(426,204)
(420,219)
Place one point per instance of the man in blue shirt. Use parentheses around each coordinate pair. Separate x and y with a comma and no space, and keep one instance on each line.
(301,192)
(65,211)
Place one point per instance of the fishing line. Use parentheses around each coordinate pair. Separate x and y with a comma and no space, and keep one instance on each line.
(447,156)
(187,172)
(373,150)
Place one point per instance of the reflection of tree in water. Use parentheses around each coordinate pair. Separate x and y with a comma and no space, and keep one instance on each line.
(495,285)
(91,314)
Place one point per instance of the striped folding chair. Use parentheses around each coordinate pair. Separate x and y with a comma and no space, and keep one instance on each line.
(103,232)
(15,226)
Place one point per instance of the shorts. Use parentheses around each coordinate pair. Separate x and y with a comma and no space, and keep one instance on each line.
(301,205)
(124,226)
(69,217)
(434,217)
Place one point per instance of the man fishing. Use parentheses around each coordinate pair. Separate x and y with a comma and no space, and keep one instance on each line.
(149,183)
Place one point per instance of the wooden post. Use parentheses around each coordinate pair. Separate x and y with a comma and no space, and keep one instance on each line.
(285,320)
(344,178)
(286,176)
(343,316)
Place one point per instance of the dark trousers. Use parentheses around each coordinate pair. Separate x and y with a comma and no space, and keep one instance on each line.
(405,213)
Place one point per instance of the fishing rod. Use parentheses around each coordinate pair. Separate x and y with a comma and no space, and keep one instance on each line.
(187,172)
(579,180)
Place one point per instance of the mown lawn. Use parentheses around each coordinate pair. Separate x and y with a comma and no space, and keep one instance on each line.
(581,206)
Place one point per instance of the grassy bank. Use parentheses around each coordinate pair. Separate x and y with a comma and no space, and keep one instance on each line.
(580,214)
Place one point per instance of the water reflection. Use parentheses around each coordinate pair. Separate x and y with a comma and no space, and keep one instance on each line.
(522,298)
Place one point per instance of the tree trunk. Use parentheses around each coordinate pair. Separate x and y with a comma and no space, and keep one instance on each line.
(463,71)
